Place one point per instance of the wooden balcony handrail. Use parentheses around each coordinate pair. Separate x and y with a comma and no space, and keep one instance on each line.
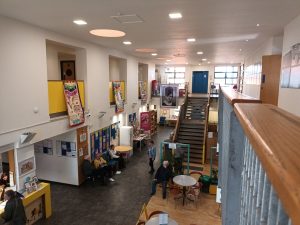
(275,137)
(234,96)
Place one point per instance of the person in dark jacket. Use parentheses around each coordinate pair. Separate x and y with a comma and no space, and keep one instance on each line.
(14,212)
(163,174)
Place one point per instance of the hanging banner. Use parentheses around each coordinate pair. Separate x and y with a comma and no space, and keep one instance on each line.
(118,96)
(73,102)
(143,92)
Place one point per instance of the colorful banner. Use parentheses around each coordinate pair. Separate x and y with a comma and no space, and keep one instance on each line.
(73,102)
(143,92)
(118,96)
(145,121)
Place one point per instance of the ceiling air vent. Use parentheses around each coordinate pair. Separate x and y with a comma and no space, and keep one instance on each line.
(179,55)
(128,18)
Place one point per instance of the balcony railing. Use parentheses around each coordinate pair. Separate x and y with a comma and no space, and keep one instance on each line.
(259,162)
(56,98)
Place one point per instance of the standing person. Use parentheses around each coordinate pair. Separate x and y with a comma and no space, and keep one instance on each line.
(163,174)
(14,212)
(151,155)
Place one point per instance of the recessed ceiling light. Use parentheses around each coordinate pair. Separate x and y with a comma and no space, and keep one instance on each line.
(168,60)
(240,49)
(186,63)
(175,15)
(127,42)
(247,40)
(154,54)
(191,40)
(107,33)
(258,25)
(79,22)
(166,63)
(204,59)
(199,64)
(199,53)
(208,62)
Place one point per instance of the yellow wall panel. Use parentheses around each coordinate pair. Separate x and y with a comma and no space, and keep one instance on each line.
(56,96)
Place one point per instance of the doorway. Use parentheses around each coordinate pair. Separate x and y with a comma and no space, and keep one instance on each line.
(200,82)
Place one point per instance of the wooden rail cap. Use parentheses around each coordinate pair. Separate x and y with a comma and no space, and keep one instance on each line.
(235,97)
(275,137)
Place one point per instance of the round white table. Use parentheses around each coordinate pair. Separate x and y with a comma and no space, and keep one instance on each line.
(155,221)
(184,181)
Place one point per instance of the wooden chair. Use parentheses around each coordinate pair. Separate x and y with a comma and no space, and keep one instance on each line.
(155,213)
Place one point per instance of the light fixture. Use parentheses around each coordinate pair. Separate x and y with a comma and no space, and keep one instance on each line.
(258,25)
(168,60)
(191,40)
(204,59)
(247,40)
(145,50)
(127,42)
(107,33)
(199,53)
(166,63)
(154,54)
(80,22)
(208,62)
(199,64)
(186,63)
(240,49)
(175,15)
(26,137)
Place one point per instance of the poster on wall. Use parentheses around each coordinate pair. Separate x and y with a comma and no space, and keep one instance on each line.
(118,96)
(169,95)
(143,92)
(26,166)
(155,88)
(73,102)
(145,121)
(114,134)
(290,73)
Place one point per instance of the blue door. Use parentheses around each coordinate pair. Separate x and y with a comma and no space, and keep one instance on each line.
(200,82)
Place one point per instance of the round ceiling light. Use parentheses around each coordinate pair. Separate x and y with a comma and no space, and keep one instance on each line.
(107,33)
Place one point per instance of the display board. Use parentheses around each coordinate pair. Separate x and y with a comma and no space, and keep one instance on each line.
(73,102)
(100,141)
(290,77)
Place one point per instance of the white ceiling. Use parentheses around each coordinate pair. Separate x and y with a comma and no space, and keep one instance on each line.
(220,26)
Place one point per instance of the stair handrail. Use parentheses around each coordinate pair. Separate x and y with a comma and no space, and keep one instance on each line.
(205,132)
(274,136)
(181,115)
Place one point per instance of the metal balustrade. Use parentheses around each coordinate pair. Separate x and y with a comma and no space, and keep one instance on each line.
(252,165)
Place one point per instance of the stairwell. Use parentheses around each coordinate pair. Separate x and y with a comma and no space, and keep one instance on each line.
(192,128)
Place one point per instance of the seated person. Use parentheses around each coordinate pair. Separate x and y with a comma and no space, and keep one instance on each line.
(110,162)
(163,174)
(102,167)
(87,168)
(117,157)
(4,183)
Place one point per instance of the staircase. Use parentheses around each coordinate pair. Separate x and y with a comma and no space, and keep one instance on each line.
(192,126)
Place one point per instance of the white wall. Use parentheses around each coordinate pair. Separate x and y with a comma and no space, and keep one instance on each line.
(288,97)
(57,168)
(272,46)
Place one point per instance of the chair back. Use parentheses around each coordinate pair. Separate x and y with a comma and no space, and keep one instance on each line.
(155,213)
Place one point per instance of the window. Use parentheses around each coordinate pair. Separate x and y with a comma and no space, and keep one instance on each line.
(175,75)
(226,75)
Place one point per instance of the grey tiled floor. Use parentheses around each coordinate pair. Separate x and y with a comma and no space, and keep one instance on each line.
(118,203)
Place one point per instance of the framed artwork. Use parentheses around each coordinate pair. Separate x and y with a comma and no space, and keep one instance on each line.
(290,73)
(67,70)
(26,166)
(119,100)
(143,92)
(169,95)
